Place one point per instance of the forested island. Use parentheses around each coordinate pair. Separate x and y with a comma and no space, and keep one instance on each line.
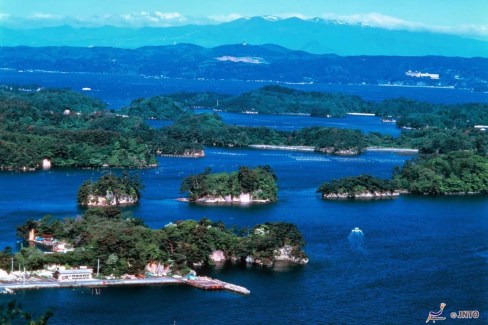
(246,185)
(68,129)
(458,172)
(363,186)
(407,113)
(110,190)
(454,173)
(72,130)
(125,245)
(210,130)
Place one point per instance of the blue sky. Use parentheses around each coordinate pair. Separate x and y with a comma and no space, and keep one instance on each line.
(450,16)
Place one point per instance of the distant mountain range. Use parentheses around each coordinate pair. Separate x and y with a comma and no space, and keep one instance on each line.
(317,36)
(258,63)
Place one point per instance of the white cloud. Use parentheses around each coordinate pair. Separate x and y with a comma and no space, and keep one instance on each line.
(374,19)
(41,15)
(225,18)
(144,18)
(169,15)
(165,19)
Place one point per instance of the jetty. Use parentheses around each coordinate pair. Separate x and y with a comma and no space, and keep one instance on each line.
(204,283)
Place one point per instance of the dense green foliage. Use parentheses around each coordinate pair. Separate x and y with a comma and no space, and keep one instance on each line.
(73,130)
(260,183)
(210,130)
(199,100)
(158,107)
(125,245)
(408,113)
(92,137)
(277,100)
(455,172)
(330,140)
(69,129)
(418,115)
(433,140)
(353,186)
(111,188)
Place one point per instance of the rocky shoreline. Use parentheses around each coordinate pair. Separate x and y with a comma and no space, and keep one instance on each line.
(283,255)
(185,154)
(362,195)
(110,200)
(340,152)
(243,198)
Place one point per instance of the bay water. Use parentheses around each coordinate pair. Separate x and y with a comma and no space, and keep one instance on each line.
(416,251)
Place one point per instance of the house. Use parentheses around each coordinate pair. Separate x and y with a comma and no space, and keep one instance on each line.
(81,274)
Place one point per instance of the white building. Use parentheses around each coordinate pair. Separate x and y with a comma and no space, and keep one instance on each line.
(74,275)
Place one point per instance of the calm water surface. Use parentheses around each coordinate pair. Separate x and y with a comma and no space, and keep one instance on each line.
(365,124)
(417,251)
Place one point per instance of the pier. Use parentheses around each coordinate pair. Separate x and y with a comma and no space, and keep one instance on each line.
(203,283)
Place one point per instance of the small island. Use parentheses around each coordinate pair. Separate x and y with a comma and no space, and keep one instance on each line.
(110,190)
(244,186)
(455,173)
(363,186)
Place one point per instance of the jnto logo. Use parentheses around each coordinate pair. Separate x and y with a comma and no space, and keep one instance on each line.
(436,315)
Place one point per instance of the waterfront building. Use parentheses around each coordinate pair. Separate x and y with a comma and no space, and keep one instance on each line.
(74,274)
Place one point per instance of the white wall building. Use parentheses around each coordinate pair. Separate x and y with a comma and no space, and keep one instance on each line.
(74,275)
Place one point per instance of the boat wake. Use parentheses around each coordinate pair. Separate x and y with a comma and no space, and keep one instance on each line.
(356,240)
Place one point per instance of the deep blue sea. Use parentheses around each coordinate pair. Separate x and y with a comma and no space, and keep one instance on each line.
(417,251)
